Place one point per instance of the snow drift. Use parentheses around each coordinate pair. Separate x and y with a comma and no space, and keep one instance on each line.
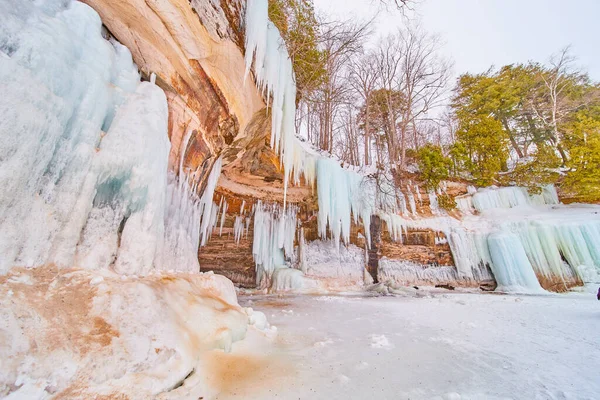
(81,334)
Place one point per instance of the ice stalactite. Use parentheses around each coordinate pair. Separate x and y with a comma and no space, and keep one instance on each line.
(238,228)
(240,224)
(275,76)
(189,218)
(419,196)
(265,49)
(411,201)
(470,252)
(84,150)
(402,202)
(223,215)
(209,208)
(433,203)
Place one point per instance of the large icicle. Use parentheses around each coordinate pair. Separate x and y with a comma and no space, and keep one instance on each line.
(275,76)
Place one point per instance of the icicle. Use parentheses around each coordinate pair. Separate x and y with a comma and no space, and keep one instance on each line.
(411,201)
(238,228)
(223,214)
(210,212)
(433,203)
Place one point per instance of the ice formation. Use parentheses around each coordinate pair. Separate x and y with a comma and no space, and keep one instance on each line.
(342,268)
(521,236)
(275,76)
(338,188)
(84,161)
(286,279)
(433,203)
(341,194)
(508,197)
(408,273)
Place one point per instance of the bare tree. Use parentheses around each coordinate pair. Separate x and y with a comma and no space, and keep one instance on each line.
(363,78)
(408,63)
(424,77)
(339,42)
(389,60)
(557,100)
(402,5)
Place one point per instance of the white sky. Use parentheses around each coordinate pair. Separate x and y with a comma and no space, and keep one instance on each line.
(481,33)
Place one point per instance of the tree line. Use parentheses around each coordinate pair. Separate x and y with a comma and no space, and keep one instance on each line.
(393,105)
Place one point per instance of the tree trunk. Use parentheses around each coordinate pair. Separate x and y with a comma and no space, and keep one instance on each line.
(367,142)
(373,252)
(512,139)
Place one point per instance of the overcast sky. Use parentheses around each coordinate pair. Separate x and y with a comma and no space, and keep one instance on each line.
(481,33)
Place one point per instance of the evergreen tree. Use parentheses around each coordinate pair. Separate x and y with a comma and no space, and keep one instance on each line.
(433,165)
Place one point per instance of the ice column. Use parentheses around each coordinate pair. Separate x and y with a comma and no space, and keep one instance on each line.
(511,267)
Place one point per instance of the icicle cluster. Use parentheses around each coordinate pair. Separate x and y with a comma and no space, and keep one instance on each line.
(189,219)
(518,243)
(340,194)
(275,76)
(274,234)
(241,224)
(266,50)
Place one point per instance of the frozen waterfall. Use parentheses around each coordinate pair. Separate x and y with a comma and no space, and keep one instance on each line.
(84,151)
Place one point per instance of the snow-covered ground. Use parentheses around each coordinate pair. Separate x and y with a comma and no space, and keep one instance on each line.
(440,345)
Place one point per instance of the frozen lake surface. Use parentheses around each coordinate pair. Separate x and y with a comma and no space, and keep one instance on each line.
(443,345)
